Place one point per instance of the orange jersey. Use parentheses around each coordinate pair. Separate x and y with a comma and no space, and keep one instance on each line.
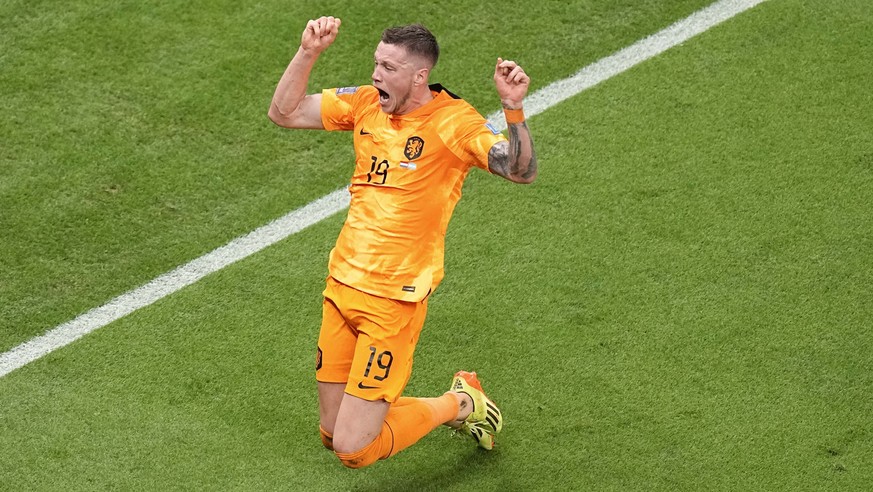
(409,170)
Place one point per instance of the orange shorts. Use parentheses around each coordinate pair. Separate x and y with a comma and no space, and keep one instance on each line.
(367,341)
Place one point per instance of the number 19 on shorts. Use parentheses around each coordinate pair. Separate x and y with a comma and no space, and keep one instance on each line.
(383,361)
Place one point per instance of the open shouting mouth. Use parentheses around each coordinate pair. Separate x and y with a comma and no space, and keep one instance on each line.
(384,97)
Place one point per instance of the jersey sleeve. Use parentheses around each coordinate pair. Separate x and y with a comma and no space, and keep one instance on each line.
(472,137)
(338,108)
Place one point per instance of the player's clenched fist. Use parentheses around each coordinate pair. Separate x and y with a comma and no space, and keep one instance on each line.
(512,83)
(319,34)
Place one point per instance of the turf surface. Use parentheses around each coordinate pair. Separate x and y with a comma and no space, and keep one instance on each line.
(680,302)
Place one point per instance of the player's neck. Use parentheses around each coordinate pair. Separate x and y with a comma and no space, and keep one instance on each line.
(418,99)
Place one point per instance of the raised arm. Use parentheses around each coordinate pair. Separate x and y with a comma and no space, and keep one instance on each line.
(516,159)
(291,107)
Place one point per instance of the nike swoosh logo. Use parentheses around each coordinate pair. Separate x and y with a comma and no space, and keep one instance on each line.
(363,386)
(362,132)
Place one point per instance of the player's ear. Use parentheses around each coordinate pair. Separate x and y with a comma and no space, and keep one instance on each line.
(421,76)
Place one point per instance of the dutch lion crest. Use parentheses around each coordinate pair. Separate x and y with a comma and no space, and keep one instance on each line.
(414,147)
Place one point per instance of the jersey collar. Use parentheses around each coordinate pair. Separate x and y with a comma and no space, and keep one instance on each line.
(441,96)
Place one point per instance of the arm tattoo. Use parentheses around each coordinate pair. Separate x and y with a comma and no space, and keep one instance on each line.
(514,160)
(498,159)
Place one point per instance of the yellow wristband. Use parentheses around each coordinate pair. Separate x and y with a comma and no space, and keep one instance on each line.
(514,116)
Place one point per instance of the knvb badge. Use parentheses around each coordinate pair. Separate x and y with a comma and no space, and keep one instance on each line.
(414,147)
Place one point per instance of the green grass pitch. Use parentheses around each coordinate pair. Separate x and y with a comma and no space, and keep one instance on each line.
(682,301)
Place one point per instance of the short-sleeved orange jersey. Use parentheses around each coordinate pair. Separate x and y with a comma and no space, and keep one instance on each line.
(409,170)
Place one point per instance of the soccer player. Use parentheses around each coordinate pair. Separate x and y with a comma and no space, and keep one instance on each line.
(414,145)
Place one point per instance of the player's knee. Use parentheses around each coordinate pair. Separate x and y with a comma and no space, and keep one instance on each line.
(353,461)
(346,446)
(360,458)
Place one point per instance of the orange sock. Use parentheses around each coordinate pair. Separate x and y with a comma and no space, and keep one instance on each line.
(412,420)
(326,438)
(408,420)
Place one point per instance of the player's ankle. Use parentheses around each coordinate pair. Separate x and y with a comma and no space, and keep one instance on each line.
(465,407)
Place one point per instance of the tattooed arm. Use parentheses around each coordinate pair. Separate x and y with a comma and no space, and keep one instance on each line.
(516,159)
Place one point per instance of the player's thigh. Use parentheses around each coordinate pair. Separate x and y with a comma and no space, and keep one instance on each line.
(359,422)
(330,397)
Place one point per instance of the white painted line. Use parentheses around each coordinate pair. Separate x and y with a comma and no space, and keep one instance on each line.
(333,203)
(175,280)
(619,62)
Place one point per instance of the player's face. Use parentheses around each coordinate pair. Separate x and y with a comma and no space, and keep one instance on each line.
(394,76)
